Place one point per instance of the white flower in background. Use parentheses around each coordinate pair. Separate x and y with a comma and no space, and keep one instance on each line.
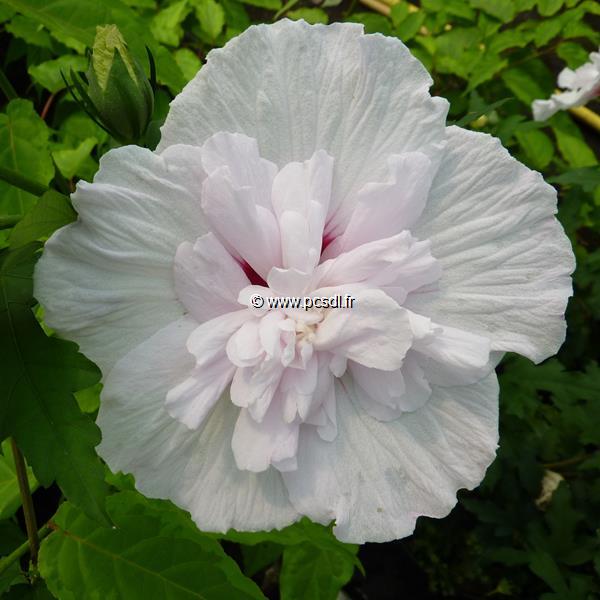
(302,161)
(582,85)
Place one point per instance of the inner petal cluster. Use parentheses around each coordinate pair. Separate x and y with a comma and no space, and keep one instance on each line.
(273,234)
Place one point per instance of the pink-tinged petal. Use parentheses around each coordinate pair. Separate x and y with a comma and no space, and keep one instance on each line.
(385,209)
(254,387)
(106,281)
(301,193)
(359,97)
(506,259)
(239,153)
(400,264)
(297,390)
(195,469)
(288,282)
(375,333)
(257,446)
(244,348)
(192,399)
(207,279)
(376,478)
(247,230)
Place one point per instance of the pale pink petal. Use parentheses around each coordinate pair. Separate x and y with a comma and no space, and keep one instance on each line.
(375,333)
(207,279)
(300,199)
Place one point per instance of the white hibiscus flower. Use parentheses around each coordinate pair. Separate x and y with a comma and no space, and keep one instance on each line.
(308,160)
(582,85)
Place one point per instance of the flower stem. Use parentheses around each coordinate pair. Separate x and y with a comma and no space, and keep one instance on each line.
(586,116)
(6,87)
(20,181)
(27,500)
(21,550)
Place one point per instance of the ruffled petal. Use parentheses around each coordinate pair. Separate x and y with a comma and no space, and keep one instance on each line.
(106,281)
(358,97)
(376,478)
(385,209)
(207,279)
(506,260)
(194,469)
(301,193)
(375,333)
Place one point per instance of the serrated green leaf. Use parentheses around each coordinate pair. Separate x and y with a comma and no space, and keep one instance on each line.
(310,15)
(531,83)
(38,376)
(166,24)
(211,16)
(312,573)
(48,74)
(504,10)
(547,8)
(30,31)
(188,62)
(270,4)
(538,147)
(23,148)
(153,552)
(75,20)
(53,210)
(70,160)
(570,141)
(10,498)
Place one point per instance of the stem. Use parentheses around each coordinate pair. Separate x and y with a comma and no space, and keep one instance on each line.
(47,106)
(22,182)
(6,87)
(21,550)
(8,221)
(568,462)
(26,499)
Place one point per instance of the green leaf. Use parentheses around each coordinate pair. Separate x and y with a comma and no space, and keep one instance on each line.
(572,53)
(70,160)
(312,573)
(547,8)
(531,83)
(23,148)
(270,4)
(10,498)
(211,16)
(538,147)
(11,537)
(571,142)
(166,24)
(587,177)
(260,556)
(154,551)
(310,15)
(48,74)
(475,114)
(53,210)
(373,23)
(77,21)
(188,62)
(30,31)
(38,376)
(504,10)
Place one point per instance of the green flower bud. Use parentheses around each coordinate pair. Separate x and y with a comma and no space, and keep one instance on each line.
(121,97)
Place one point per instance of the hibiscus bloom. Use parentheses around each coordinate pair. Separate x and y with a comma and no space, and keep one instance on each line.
(582,85)
(308,161)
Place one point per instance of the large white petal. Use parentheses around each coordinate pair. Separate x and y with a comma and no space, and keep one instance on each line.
(106,281)
(298,88)
(194,469)
(376,478)
(505,258)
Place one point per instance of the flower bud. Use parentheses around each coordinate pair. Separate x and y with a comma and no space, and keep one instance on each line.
(119,95)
